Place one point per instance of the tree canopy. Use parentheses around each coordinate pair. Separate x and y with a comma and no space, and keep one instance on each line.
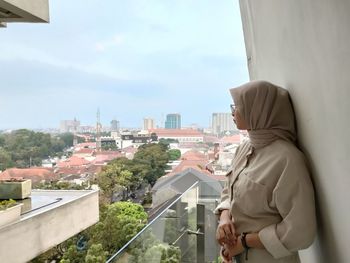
(24,148)
(112,178)
(154,159)
(174,154)
(119,222)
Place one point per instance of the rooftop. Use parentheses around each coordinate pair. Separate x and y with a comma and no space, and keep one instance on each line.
(47,219)
(177,132)
(36,174)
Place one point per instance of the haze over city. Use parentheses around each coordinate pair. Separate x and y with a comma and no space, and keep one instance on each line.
(130,59)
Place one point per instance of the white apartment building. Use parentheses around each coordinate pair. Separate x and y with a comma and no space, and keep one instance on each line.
(148,123)
(222,122)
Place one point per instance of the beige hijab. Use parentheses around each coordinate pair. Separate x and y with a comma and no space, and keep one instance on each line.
(267,111)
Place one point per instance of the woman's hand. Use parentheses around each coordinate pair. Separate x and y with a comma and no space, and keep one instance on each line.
(225,255)
(226,233)
(228,251)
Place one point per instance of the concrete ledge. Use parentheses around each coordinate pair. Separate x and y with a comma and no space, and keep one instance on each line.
(24,11)
(54,217)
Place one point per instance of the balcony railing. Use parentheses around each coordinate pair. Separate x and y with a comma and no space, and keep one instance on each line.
(183,232)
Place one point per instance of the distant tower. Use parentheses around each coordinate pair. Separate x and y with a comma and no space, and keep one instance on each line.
(173,121)
(115,126)
(98,131)
(148,123)
(75,137)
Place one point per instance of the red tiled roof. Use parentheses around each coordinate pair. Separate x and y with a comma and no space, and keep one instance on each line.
(84,151)
(176,132)
(104,157)
(36,174)
(86,145)
(210,138)
(108,153)
(130,149)
(194,155)
(73,161)
(231,139)
(91,169)
(195,164)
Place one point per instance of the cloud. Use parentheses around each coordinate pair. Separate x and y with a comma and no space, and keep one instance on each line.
(116,40)
(142,57)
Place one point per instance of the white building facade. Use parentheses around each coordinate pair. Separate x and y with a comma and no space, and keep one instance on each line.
(148,123)
(222,122)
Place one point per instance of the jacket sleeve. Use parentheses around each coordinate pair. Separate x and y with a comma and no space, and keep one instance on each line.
(225,197)
(294,199)
(225,200)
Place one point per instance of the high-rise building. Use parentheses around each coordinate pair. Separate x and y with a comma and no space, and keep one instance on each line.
(69,126)
(115,126)
(222,122)
(148,123)
(173,121)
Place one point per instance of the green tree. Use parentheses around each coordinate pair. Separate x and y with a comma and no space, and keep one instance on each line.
(168,141)
(154,159)
(138,170)
(72,255)
(174,154)
(121,222)
(27,148)
(96,254)
(147,248)
(66,138)
(109,146)
(55,185)
(112,179)
(5,160)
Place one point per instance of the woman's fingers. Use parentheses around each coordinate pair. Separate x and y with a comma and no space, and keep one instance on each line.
(229,232)
(226,234)
(222,237)
(225,255)
(232,229)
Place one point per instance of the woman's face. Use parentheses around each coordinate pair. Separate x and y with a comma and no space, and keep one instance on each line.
(238,120)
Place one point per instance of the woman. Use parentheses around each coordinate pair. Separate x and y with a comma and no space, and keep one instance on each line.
(267,210)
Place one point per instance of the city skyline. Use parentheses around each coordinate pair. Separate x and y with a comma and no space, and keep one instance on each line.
(155,122)
(140,58)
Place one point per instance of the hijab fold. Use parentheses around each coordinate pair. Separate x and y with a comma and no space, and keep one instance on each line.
(267,111)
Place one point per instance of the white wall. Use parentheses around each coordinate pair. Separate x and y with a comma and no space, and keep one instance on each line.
(304,46)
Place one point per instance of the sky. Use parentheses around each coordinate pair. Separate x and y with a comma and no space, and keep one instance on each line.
(128,58)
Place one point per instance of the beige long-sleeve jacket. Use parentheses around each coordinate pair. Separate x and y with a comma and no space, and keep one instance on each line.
(269,191)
